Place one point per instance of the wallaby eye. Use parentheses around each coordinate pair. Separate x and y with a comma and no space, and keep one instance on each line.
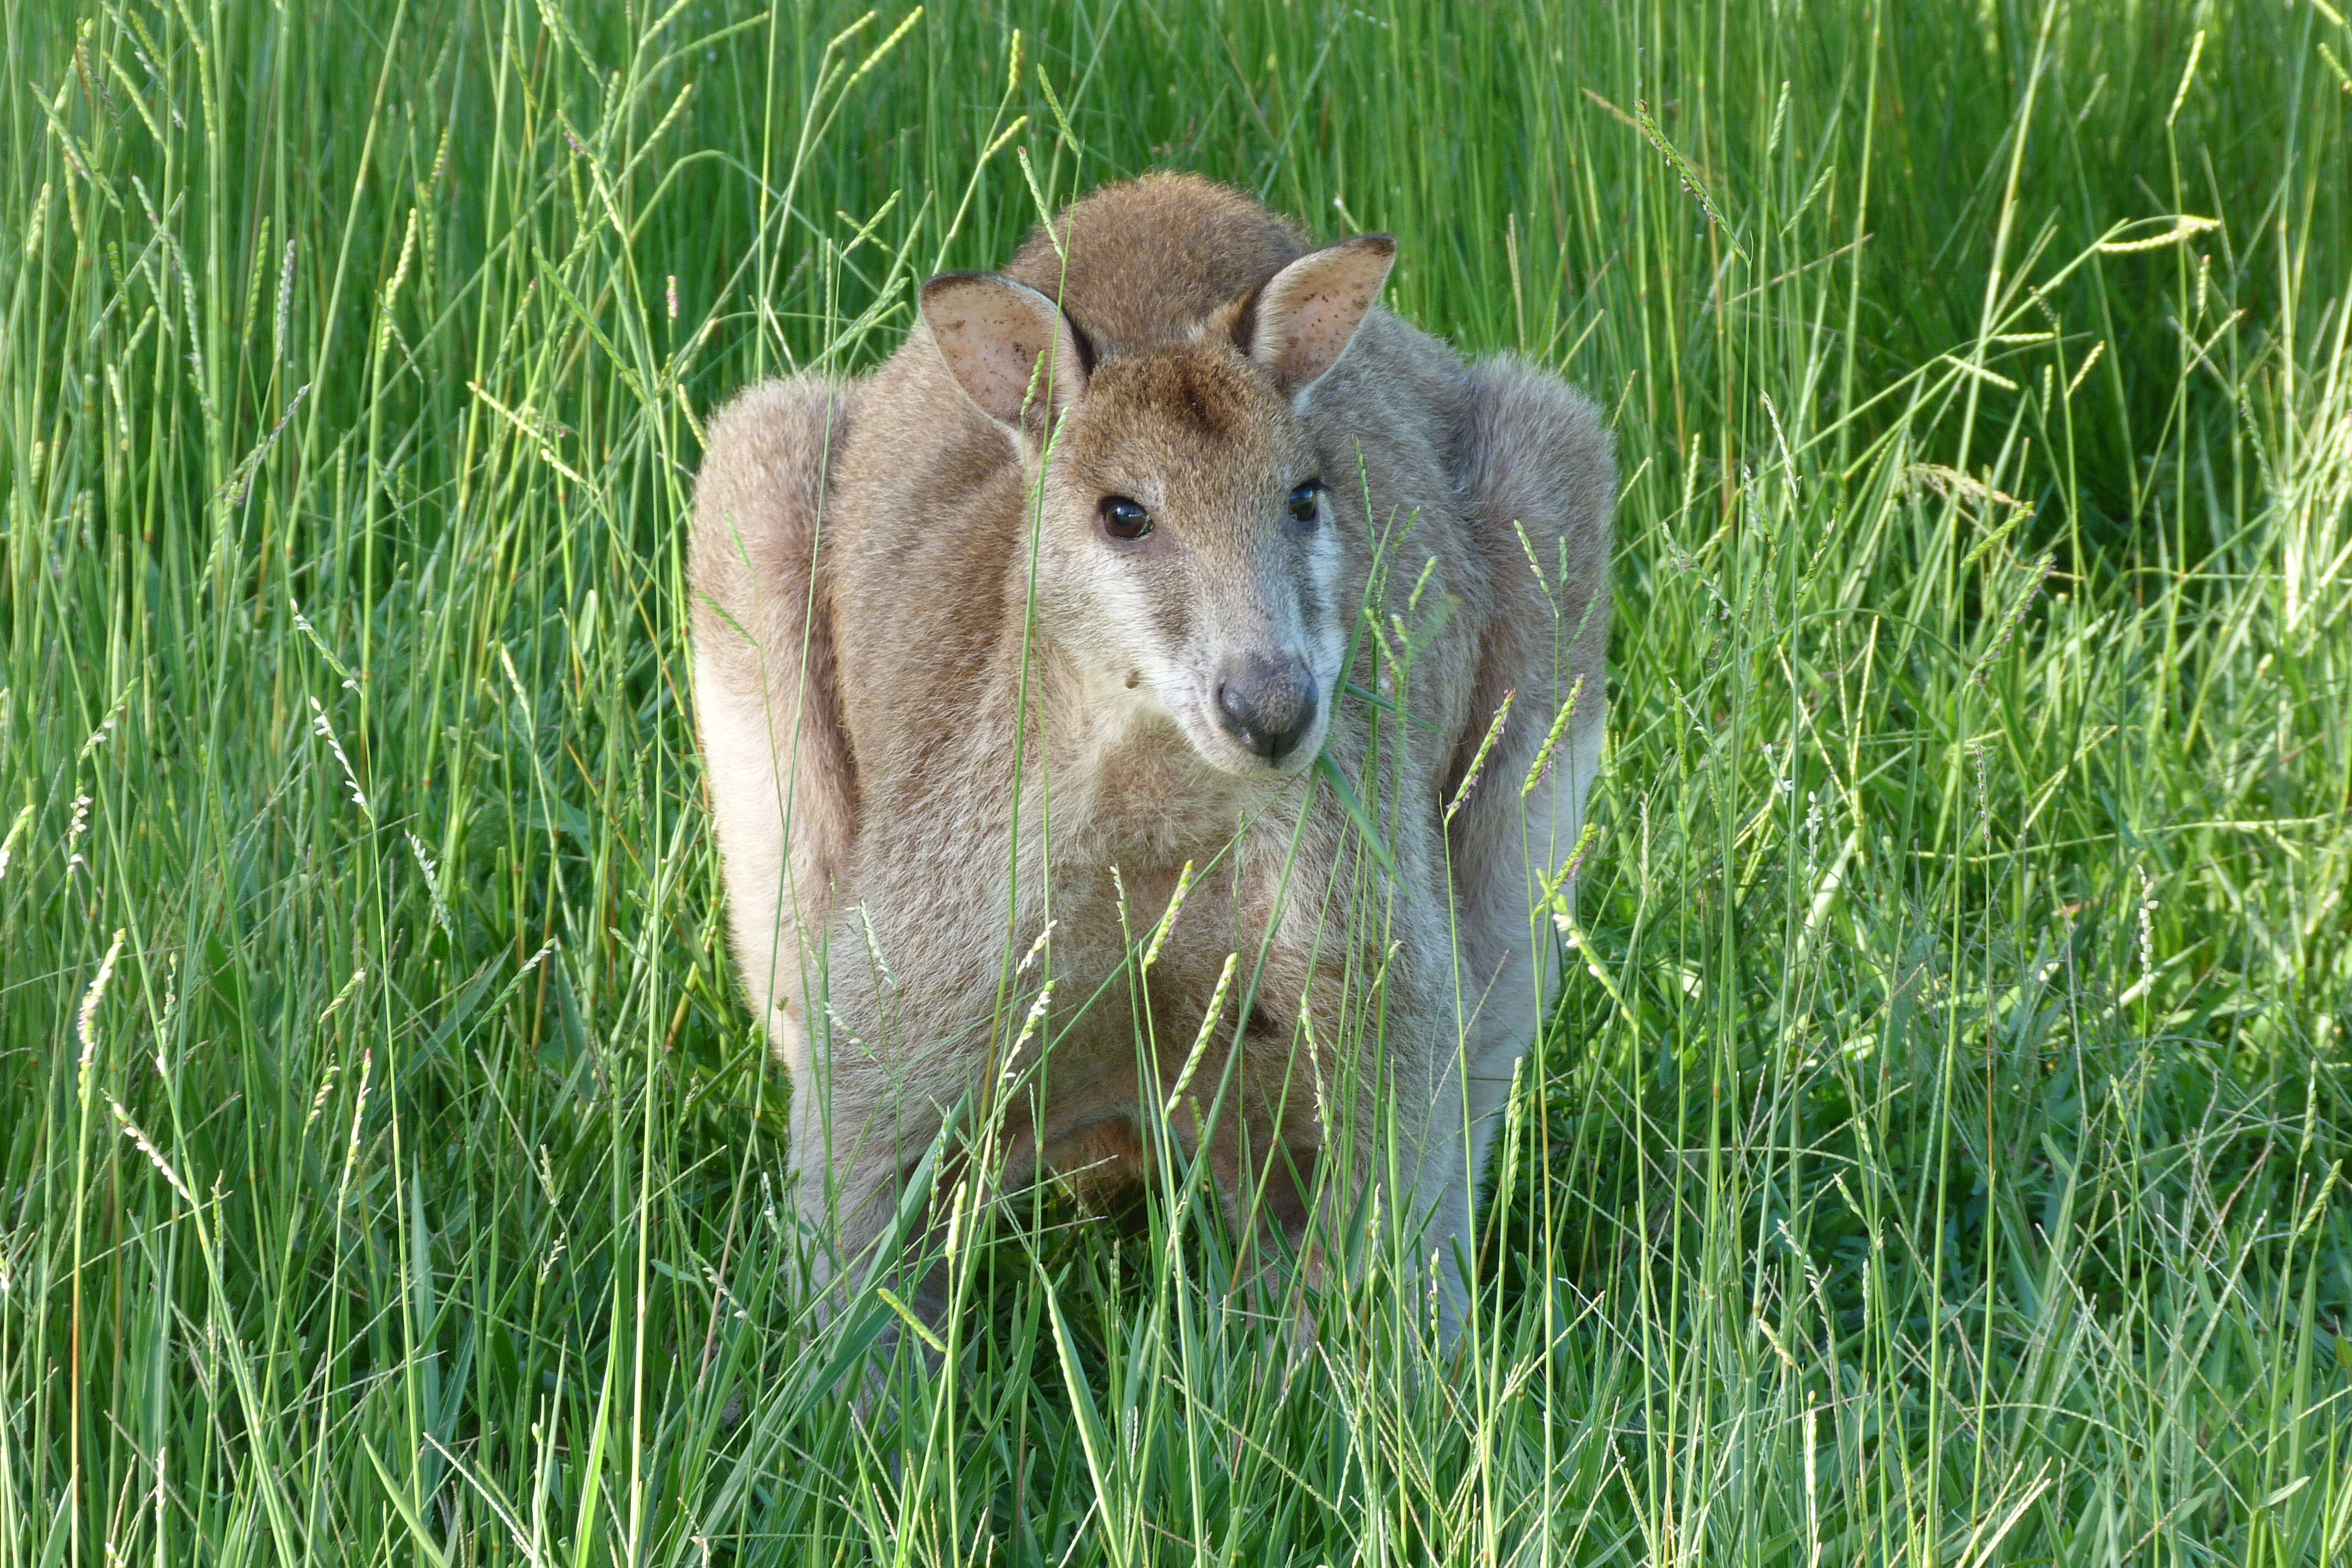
(1123,518)
(1303,501)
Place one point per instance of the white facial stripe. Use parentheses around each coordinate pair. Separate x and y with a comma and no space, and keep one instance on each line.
(1326,564)
(1124,599)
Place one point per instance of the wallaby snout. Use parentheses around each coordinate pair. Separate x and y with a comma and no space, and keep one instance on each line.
(1267,701)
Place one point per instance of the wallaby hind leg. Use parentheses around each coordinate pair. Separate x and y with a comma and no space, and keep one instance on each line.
(782,793)
(848,1200)
(1535,459)
(851,1180)
(1357,1157)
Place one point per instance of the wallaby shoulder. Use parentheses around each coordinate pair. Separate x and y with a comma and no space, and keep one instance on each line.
(916,592)
(781,789)
(759,505)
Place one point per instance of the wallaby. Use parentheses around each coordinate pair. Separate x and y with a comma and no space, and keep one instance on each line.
(1061,600)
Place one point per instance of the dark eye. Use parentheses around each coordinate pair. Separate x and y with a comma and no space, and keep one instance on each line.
(1123,518)
(1303,501)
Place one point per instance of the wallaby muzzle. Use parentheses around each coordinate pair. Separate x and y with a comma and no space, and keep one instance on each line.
(1267,701)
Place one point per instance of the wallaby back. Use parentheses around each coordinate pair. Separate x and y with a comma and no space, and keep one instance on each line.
(1150,259)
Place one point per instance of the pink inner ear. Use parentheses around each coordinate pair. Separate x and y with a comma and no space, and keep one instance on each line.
(1317,331)
(1313,308)
(991,337)
(1010,363)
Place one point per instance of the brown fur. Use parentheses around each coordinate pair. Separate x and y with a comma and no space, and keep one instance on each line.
(861,758)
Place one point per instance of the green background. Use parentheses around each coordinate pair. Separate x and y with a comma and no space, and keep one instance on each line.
(1938,1151)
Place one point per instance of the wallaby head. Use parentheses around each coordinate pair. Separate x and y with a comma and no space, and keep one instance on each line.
(1189,558)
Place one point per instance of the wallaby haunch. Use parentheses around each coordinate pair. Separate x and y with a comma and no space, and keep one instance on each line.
(1083,580)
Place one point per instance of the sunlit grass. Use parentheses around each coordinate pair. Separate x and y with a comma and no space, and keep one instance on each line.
(1936,1156)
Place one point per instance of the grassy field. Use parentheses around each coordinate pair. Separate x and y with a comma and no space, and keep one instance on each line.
(1936,1159)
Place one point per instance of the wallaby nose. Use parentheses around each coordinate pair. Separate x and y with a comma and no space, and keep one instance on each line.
(1267,701)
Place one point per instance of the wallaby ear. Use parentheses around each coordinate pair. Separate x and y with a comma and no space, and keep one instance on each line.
(992,332)
(1307,312)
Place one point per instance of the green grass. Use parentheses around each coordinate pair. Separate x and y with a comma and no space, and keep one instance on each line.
(1937,1157)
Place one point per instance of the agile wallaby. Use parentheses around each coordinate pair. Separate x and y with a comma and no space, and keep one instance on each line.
(1068,585)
